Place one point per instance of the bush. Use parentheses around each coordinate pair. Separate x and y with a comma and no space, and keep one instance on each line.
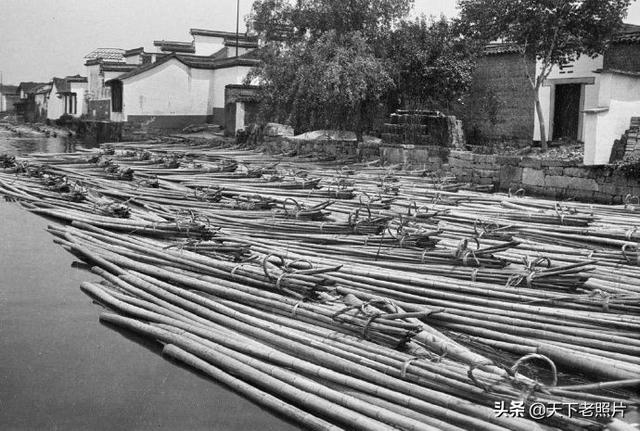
(64,120)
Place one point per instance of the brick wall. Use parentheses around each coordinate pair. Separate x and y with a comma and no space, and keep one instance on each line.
(560,179)
(623,56)
(500,105)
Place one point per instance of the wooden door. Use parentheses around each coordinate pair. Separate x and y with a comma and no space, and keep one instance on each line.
(566,116)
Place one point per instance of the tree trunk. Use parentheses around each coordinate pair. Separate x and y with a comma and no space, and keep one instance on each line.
(543,130)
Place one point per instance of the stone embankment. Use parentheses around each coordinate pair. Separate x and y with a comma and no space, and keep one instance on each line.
(556,178)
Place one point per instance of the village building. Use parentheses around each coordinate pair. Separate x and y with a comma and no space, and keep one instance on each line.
(41,95)
(221,43)
(590,100)
(25,106)
(138,56)
(8,97)
(102,65)
(177,90)
(67,97)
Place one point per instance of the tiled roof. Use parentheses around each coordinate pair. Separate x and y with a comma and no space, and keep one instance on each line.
(109,54)
(75,78)
(242,43)
(174,46)
(224,34)
(41,89)
(630,37)
(117,67)
(61,85)
(134,51)
(196,62)
(8,89)
(502,48)
(28,86)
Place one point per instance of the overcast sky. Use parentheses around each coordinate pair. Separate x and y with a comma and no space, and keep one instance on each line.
(40,39)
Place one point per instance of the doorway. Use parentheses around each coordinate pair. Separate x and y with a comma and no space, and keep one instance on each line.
(566,117)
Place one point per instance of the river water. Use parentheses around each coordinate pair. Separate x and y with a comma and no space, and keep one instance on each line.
(61,369)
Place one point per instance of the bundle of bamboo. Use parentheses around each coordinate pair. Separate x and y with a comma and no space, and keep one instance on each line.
(406,308)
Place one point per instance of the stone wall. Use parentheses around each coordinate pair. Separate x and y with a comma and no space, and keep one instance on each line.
(560,179)
(430,157)
(500,105)
(322,148)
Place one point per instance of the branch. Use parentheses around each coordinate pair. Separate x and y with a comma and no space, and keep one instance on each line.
(526,67)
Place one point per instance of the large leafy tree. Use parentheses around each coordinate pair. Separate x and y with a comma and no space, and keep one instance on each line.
(333,82)
(555,32)
(431,63)
(323,62)
(310,19)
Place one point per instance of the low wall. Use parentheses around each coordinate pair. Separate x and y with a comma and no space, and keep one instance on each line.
(429,157)
(560,179)
(316,147)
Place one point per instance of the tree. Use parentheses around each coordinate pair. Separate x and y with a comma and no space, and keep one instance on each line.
(334,82)
(432,64)
(554,32)
(310,19)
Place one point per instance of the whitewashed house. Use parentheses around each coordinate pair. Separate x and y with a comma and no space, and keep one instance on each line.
(41,95)
(67,97)
(102,65)
(592,100)
(177,90)
(8,97)
(221,44)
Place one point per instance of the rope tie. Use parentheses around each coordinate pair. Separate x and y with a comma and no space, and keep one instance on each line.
(630,233)
(530,278)
(475,381)
(365,328)
(424,253)
(474,275)
(264,265)
(280,278)
(294,310)
(606,298)
(405,366)
(235,268)
(514,369)
(465,257)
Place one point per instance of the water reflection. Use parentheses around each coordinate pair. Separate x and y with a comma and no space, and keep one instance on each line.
(61,369)
(11,143)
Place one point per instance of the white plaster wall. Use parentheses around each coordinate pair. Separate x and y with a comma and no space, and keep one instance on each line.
(169,89)
(80,89)
(583,67)
(207,45)
(134,59)
(55,104)
(94,81)
(239,116)
(224,77)
(621,95)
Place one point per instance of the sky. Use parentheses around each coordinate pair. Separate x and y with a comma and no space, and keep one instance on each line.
(40,39)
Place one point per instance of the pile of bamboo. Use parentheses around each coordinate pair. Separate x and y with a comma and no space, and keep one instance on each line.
(399,303)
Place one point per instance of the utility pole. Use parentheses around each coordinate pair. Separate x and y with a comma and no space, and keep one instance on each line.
(237,25)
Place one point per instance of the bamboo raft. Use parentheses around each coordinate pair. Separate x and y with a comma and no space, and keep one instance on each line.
(350,296)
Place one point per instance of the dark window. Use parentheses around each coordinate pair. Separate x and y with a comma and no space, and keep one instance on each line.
(116,96)
(71,103)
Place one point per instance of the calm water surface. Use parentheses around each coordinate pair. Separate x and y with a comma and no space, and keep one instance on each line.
(60,369)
